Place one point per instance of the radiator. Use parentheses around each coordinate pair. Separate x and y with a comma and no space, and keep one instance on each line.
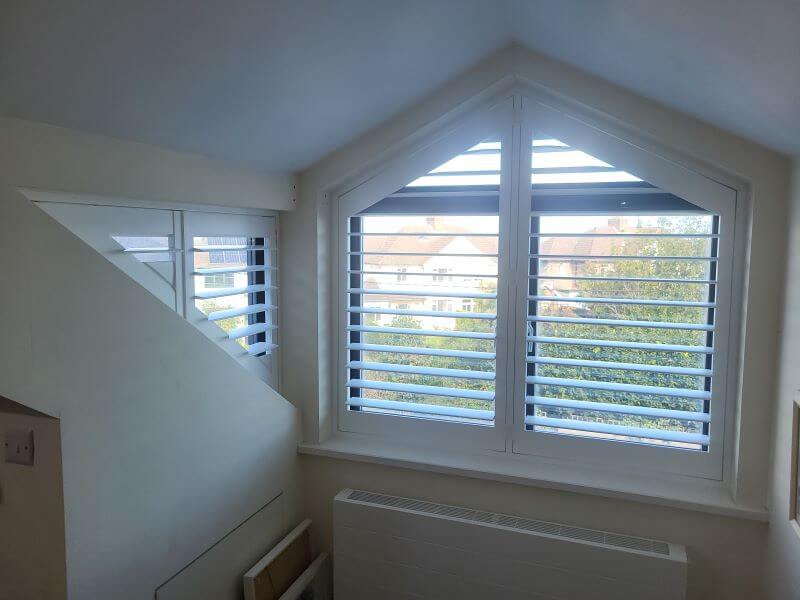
(398,548)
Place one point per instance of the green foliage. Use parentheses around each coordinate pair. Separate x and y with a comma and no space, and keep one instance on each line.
(655,269)
(227,325)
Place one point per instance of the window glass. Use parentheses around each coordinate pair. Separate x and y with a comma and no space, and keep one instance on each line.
(620,306)
(229,286)
(423,299)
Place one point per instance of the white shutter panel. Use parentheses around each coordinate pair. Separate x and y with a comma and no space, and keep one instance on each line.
(422,283)
(232,286)
(620,305)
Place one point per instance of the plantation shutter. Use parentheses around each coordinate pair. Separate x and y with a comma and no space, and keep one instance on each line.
(622,286)
(422,285)
(233,280)
(246,320)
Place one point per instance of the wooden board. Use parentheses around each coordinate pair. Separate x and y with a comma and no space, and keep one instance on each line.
(274,574)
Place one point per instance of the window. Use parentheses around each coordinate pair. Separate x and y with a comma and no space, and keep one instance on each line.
(411,360)
(235,298)
(232,284)
(616,318)
(620,325)
(222,280)
(216,270)
(402,274)
(427,357)
(442,305)
(621,348)
(440,274)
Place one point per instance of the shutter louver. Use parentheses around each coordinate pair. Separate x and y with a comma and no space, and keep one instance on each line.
(621,303)
(422,295)
(234,288)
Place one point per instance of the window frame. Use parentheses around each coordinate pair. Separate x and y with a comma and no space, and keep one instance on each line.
(794,465)
(529,111)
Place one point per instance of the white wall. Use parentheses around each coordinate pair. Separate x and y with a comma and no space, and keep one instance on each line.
(783,542)
(167,442)
(726,552)
(40,156)
(32,511)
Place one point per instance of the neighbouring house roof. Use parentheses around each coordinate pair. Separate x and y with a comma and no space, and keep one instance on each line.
(424,244)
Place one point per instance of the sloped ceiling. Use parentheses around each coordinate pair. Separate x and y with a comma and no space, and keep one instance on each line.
(279,84)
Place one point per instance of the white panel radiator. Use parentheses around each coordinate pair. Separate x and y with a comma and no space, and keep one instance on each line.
(398,548)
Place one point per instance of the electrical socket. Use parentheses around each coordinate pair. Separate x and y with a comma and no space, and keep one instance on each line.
(19,446)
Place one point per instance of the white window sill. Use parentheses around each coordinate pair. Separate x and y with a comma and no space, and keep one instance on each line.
(686,493)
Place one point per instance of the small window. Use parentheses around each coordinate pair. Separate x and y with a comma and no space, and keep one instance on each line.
(233,288)
(440,274)
(440,305)
(216,270)
(402,273)
(220,281)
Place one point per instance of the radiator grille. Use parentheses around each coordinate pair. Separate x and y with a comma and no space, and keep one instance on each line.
(543,527)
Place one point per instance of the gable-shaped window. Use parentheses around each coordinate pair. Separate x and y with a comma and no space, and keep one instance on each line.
(563,294)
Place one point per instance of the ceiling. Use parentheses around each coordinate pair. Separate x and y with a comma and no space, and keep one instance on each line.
(279,84)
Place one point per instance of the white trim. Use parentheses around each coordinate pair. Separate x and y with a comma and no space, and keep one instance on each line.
(42,195)
(662,490)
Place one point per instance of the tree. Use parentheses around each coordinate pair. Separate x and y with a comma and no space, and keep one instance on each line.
(628,271)
(442,362)
(635,269)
